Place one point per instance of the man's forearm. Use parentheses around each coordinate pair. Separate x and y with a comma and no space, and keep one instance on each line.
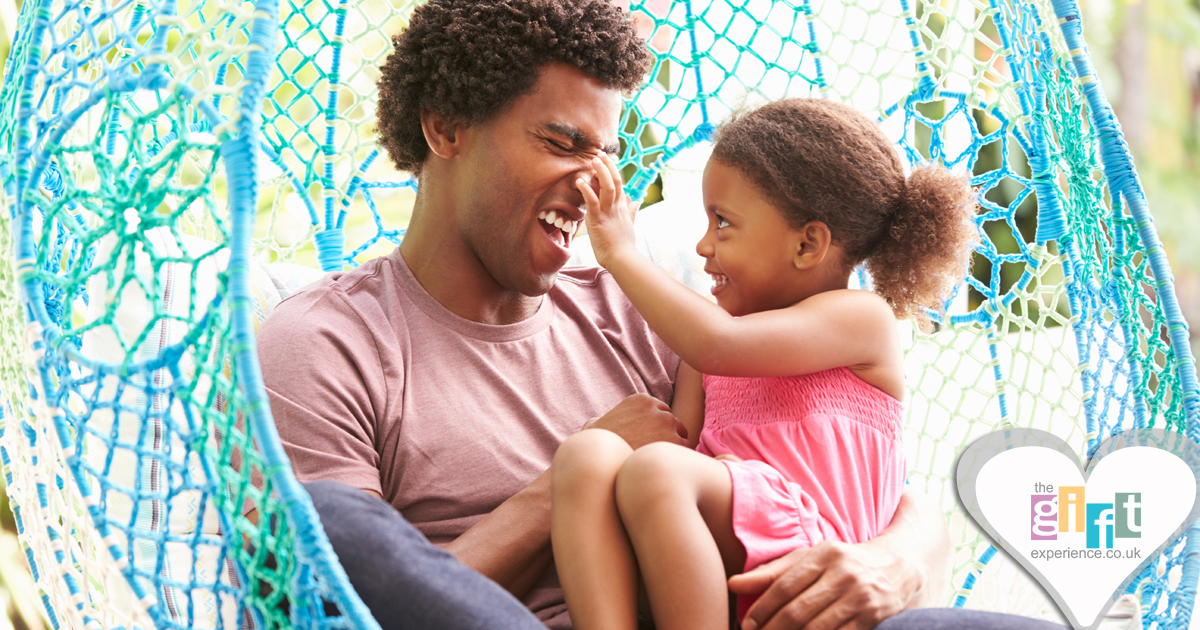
(918,534)
(512,544)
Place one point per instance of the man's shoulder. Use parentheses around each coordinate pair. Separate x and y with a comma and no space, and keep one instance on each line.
(590,297)
(336,295)
(591,293)
(339,305)
(590,283)
(583,275)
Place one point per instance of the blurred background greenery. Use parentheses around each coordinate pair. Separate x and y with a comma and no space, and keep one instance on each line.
(1147,52)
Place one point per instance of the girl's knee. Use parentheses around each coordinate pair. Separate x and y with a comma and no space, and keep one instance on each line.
(590,457)
(650,475)
(655,459)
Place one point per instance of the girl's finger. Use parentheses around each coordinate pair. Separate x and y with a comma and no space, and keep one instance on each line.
(630,206)
(618,183)
(589,196)
(608,189)
(612,168)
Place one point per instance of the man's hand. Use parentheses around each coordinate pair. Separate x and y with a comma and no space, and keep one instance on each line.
(833,585)
(837,585)
(641,419)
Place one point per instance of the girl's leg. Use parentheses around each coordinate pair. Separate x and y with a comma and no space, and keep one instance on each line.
(677,506)
(594,560)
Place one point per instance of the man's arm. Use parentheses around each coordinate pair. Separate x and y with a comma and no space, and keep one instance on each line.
(839,585)
(511,545)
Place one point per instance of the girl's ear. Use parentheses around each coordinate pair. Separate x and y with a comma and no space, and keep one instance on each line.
(812,245)
(444,137)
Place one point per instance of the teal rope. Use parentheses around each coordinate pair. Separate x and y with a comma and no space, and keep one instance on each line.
(1123,180)
(241,166)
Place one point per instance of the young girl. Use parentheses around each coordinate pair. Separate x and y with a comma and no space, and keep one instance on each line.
(796,379)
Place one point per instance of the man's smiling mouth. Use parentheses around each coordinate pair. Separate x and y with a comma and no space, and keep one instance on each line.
(560,228)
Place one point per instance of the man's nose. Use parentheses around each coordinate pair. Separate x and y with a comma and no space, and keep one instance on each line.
(588,175)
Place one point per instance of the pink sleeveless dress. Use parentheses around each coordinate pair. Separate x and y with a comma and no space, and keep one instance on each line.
(823,459)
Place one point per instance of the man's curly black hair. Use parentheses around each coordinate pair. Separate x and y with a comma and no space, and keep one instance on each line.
(469,59)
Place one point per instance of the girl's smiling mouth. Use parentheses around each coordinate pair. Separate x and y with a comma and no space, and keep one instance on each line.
(720,280)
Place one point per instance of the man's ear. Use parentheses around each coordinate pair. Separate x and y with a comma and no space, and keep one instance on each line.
(812,244)
(444,136)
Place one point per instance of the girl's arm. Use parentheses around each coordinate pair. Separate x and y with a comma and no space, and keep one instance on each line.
(828,330)
(688,404)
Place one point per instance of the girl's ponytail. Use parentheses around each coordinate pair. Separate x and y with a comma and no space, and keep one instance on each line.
(927,247)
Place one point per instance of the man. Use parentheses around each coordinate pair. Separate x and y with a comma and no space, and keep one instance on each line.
(443,377)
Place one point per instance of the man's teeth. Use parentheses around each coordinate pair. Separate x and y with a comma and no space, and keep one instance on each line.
(560,222)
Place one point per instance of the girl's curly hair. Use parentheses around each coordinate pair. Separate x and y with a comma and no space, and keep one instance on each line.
(824,161)
(469,59)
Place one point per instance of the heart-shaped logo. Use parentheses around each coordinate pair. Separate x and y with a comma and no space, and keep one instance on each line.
(1084,534)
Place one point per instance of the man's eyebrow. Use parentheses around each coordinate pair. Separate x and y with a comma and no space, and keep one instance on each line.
(580,140)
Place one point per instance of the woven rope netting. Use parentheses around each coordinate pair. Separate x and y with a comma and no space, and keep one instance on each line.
(167,164)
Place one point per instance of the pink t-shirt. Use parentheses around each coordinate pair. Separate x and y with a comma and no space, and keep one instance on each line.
(375,384)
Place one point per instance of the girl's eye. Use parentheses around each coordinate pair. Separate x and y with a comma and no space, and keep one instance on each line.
(721,222)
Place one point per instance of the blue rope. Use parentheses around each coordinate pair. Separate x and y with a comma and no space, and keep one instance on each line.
(969,583)
(696,61)
(311,544)
(636,187)
(1123,180)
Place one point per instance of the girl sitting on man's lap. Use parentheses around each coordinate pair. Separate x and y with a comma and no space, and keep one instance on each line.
(795,379)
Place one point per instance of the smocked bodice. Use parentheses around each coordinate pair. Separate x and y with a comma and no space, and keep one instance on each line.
(760,401)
